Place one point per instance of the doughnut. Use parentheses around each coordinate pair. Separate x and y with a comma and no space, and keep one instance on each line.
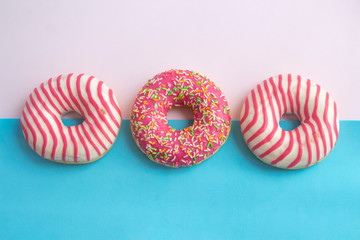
(45,132)
(191,145)
(304,146)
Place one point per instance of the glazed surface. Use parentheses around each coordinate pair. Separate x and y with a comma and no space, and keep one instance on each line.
(304,146)
(45,132)
(189,146)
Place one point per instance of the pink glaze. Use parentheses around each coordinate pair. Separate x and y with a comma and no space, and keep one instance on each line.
(189,146)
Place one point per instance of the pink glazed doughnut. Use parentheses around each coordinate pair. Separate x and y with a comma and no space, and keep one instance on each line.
(302,147)
(189,146)
(45,132)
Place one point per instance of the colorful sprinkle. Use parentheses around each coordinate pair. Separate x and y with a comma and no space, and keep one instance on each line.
(185,147)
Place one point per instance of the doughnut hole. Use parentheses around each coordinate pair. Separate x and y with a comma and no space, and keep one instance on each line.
(289,121)
(72,118)
(180,113)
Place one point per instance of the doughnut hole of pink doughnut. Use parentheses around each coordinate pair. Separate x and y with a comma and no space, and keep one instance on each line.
(304,146)
(191,145)
(46,134)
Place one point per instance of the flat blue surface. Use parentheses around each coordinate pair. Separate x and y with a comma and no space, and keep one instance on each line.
(124,195)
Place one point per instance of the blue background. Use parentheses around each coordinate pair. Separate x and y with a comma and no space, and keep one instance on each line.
(124,195)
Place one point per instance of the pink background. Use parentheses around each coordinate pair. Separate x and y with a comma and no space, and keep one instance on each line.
(235,43)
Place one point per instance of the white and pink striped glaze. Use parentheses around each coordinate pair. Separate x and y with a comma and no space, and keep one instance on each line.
(45,132)
(302,147)
(189,146)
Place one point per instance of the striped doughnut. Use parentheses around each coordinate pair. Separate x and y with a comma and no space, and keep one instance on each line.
(45,132)
(302,147)
(189,146)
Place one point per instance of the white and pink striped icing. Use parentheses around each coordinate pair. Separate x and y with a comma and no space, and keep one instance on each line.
(45,132)
(304,146)
(189,146)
